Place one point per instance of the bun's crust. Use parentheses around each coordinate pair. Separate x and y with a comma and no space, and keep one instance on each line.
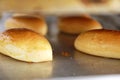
(77,24)
(95,2)
(30,22)
(60,7)
(105,43)
(25,45)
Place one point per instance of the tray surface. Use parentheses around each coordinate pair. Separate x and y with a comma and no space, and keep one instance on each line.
(76,64)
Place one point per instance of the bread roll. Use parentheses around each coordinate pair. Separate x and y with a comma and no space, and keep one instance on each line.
(86,15)
(30,22)
(25,45)
(105,43)
(38,15)
(53,7)
(77,24)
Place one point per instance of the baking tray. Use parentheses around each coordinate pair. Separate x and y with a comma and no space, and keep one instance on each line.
(76,64)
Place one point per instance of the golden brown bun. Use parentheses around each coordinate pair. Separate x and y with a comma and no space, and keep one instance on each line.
(38,15)
(95,2)
(21,14)
(33,23)
(105,43)
(57,7)
(77,24)
(25,45)
(85,15)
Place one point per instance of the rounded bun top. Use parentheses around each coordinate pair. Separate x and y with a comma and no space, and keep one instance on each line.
(26,37)
(25,45)
(104,43)
(30,22)
(33,21)
(83,20)
(78,24)
(101,36)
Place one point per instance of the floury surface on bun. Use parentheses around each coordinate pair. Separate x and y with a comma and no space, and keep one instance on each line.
(104,43)
(36,24)
(25,45)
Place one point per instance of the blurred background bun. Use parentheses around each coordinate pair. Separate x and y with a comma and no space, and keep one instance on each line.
(78,24)
(36,24)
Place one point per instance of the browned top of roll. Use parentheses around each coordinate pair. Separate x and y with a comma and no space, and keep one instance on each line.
(26,37)
(76,19)
(36,24)
(95,2)
(78,24)
(102,36)
(33,21)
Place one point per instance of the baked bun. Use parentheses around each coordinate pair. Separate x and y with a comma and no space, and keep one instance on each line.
(38,15)
(105,43)
(77,24)
(58,7)
(30,22)
(25,45)
(86,15)
(21,14)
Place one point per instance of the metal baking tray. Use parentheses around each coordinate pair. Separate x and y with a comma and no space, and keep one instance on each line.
(75,65)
